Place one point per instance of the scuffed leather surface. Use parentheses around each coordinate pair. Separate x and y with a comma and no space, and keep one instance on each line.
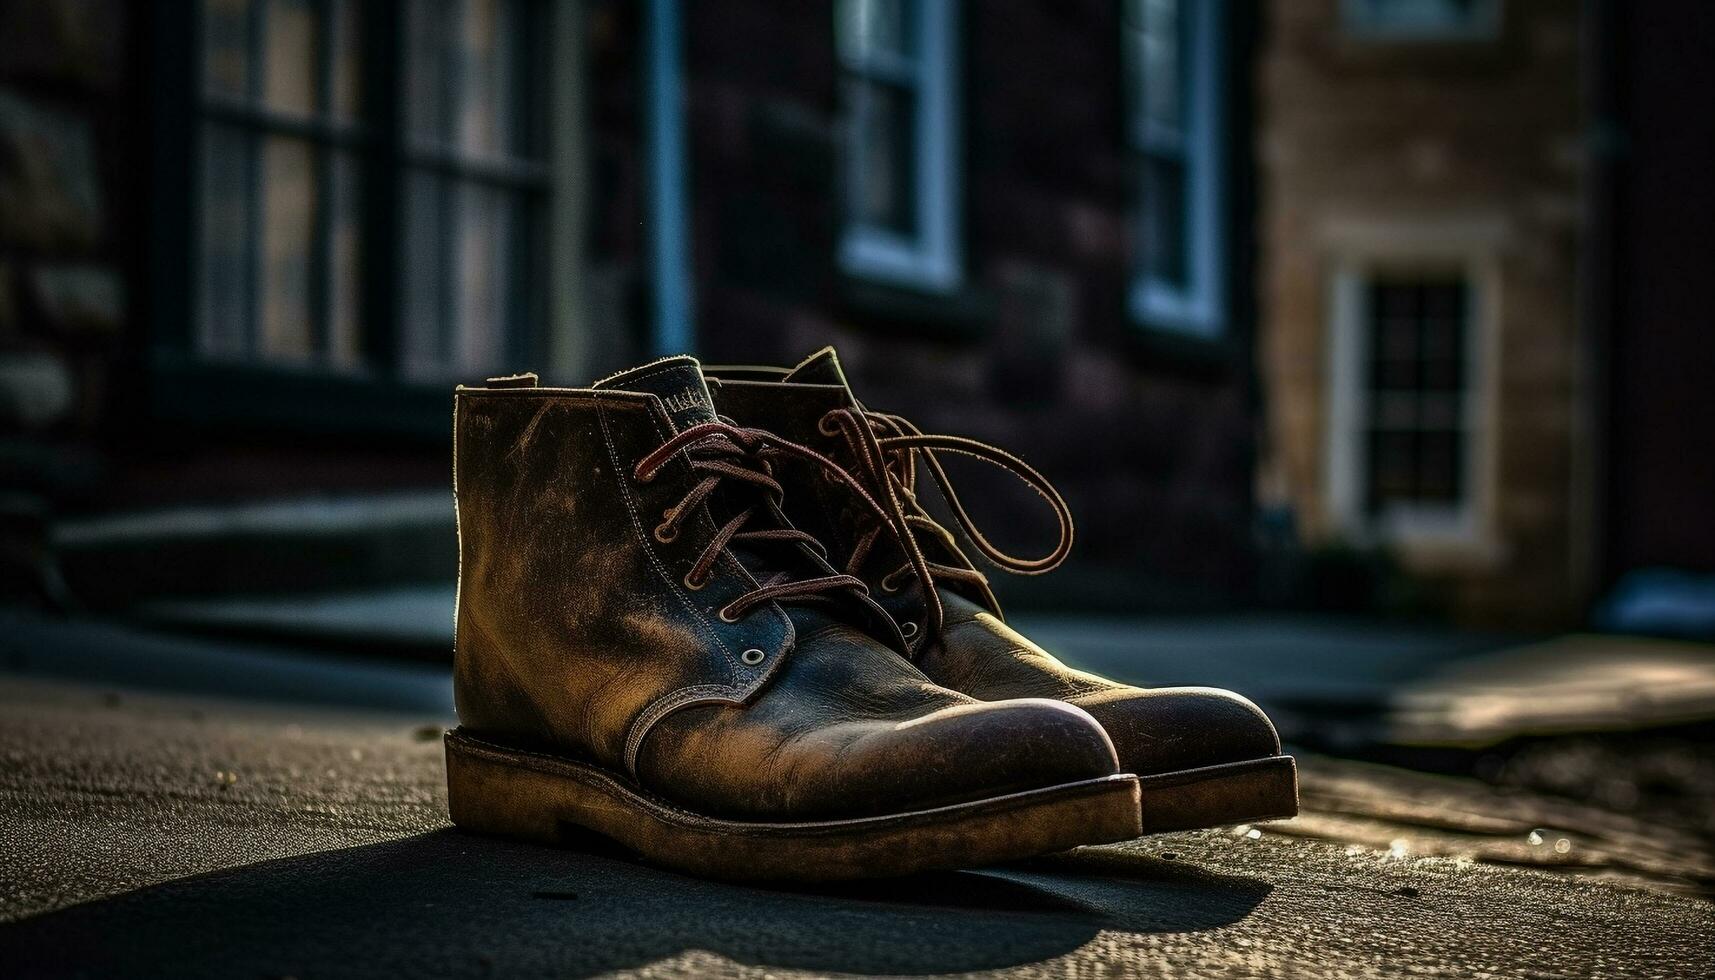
(576,636)
(1153,729)
(572,620)
(857,731)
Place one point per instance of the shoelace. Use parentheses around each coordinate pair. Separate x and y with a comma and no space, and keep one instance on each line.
(888,449)
(718,451)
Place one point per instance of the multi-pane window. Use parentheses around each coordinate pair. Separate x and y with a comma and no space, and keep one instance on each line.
(1416,393)
(1173,66)
(898,89)
(326,127)
(1422,19)
(281,196)
(471,170)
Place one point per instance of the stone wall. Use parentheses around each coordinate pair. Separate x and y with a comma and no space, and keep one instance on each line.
(1402,135)
(65,233)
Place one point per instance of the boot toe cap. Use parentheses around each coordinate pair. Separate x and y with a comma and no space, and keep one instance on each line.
(709,759)
(997,747)
(1158,730)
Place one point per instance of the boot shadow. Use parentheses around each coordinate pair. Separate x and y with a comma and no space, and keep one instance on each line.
(447,903)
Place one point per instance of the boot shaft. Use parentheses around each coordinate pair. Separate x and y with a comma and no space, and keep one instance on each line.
(576,628)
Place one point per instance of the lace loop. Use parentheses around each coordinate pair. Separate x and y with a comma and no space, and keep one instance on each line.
(718,452)
(889,448)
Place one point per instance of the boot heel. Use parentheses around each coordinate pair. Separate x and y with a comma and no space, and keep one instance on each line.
(488,796)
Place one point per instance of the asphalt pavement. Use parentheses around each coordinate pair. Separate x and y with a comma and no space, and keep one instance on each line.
(218,833)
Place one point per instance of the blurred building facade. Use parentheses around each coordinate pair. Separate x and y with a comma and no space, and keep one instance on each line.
(1167,251)
(249,245)
(1423,170)
(1467,354)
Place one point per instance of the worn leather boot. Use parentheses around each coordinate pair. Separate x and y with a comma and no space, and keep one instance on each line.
(646,649)
(1205,757)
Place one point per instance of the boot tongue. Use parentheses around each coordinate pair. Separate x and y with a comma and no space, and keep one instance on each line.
(677,381)
(820,368)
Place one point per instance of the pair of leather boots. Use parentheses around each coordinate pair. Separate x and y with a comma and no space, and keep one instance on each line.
(702,613)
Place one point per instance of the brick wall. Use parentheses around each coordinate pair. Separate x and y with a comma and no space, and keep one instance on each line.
(1151,442)
(1152,446)
(1401,134)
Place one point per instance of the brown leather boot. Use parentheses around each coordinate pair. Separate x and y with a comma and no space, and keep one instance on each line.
(648,650)
(1204,756)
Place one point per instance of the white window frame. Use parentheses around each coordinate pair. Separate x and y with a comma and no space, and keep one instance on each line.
(1484,24)
(931,260)
(1359,253)
(1196,307)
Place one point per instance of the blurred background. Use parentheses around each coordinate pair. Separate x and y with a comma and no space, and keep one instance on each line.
(1371,341)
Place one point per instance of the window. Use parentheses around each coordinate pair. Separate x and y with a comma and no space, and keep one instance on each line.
(1412,342)
(368,177)
(900,97)
(1415,398)
(1422,20)
(1174,61)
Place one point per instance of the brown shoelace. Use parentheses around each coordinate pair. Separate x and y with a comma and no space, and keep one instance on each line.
(888,449)
(721,451)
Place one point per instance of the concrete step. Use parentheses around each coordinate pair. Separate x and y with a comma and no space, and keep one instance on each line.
(273,547)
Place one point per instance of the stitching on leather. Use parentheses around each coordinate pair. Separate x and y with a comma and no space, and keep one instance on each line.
(643,371)
(631,507)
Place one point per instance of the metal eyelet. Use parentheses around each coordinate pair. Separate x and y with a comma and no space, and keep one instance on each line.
(887,583)
(694,585)
(753,656)
(822,426)
(666,534)
(726,615)
(908,629)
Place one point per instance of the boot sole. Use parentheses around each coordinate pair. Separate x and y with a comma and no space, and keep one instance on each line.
(1212,796)
(554,800)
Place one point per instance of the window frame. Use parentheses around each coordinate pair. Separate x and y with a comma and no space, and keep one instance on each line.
(932,260)
(1486,25)
(1361,254)
(1198,309)
(181,385)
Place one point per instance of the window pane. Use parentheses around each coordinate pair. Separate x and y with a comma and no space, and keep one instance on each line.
(466,284)
(426,287)
(1393,467)
(1421,16)
(291,40)
(1155,31)
(866,28)
(883,161)
(1438,467)
(226,30)
(288,209)
(425,33)
(225,282)
(467,84)
(487,59)
(486,259)
(347,83)
(1163,224)
(345,240)
(1416,391)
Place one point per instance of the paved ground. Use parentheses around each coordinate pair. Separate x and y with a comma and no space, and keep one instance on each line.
(218,835)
